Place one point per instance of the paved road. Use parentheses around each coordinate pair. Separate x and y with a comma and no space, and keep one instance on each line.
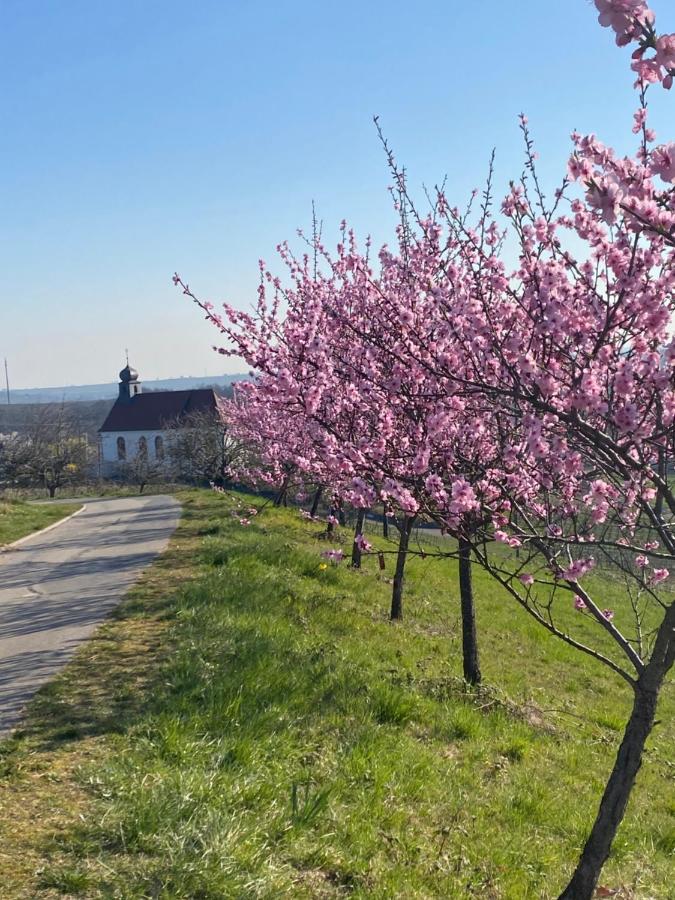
(57,587)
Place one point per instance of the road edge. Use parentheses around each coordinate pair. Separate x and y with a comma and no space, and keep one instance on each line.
(6,547)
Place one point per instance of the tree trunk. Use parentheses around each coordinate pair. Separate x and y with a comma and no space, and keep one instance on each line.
(626,766)
(316,500)
(281,496)
(342,519)
(469,641)
(662,470)
(385,522)
(397,593)
(358,531)
(52,491)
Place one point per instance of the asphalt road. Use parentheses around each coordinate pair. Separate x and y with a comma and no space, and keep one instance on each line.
(57,587)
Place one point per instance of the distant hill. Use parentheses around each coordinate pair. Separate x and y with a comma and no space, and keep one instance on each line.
(91,392)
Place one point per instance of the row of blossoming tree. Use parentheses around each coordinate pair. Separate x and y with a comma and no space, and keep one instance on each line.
(529,411)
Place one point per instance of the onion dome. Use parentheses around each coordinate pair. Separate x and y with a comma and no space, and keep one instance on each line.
(128,374)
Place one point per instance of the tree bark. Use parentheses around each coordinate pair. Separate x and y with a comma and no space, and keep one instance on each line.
(316,500)
(397,593)
(52,491)
(358,531)
(662,470)
(626,766)
(385,522)
(281,496)
(469,641)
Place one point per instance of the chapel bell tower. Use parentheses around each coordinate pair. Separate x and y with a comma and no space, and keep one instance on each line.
(129,385)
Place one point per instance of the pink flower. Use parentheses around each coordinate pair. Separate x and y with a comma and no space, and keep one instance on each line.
(665,51)
(659,575)
(578,568)
(579,603)
(526,579)
(608,614)
(362,543)
(606,196)
(334,556)
(641,561)
(663,162)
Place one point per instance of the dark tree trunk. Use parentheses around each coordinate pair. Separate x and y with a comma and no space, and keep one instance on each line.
(469,641)
(316,500)
(52,491)
(385,522)
(281,496)
(342,519)
(662,470)
(358,531)
(626,766)
(397,593)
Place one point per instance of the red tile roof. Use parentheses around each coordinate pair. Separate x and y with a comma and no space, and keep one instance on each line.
(153,411)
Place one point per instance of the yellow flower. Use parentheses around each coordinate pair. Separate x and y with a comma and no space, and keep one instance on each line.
(323,566)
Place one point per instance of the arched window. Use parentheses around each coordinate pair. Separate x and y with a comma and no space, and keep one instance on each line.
(142,448)
(159,447)
(121,448)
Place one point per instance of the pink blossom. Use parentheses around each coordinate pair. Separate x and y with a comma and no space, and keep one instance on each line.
(526,579)
(665,51)
(335,556)
(579,603)
(663,162)
(362,543)
(608,614)
(659,575)
(578,569)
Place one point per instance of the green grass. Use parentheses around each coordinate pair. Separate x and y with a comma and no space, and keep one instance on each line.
(18,519)
(250,724)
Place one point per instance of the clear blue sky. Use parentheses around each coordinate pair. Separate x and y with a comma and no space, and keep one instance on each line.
(141,138)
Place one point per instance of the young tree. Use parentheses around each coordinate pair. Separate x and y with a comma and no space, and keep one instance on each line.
(528,409)
(50,452)
(200,447)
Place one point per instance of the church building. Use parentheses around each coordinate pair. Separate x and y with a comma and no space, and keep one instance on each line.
(137,423)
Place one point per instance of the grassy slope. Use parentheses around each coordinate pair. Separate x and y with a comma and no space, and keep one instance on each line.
(18,519)
(262,730)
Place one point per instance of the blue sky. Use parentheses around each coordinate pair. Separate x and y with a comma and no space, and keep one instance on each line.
(143,138)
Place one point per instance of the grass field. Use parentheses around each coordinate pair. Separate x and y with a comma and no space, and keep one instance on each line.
(250,724)
(18,519)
